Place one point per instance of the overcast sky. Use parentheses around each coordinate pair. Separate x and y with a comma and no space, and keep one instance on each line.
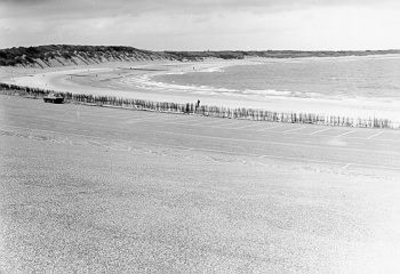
(203,24)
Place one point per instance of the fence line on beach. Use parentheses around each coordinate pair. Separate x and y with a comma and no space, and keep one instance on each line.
(212,111)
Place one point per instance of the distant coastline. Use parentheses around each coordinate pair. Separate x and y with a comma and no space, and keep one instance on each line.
(66,55)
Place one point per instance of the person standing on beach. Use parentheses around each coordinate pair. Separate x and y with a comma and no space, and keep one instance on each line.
(197,104)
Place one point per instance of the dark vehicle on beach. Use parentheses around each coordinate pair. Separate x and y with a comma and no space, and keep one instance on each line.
(53,98)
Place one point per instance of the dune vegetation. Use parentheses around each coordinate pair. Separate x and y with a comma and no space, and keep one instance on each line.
(60,55)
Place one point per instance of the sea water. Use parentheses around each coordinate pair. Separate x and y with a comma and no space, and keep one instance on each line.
(341,77)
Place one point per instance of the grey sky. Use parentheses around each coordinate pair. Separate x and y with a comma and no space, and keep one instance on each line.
(206,24)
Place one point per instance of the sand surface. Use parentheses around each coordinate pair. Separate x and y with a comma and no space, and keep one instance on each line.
(134,80)
(100,190)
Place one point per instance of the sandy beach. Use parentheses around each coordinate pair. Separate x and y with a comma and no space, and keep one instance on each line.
(101,190)
(134,80)
(199,137)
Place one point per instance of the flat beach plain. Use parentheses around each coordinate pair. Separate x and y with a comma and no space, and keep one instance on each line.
(101,190)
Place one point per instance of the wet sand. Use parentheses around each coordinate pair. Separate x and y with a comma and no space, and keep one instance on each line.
(99,190)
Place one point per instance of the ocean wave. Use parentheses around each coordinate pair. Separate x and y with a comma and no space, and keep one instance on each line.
(282,93)
(145,82)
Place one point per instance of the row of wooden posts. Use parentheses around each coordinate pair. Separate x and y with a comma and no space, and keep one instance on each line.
(214,111)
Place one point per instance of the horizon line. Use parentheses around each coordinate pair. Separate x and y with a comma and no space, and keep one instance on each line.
(205,50)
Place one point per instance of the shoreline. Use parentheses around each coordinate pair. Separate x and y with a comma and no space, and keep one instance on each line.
(137,83)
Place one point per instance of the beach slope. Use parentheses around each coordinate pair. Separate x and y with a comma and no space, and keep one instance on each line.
(100,190)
